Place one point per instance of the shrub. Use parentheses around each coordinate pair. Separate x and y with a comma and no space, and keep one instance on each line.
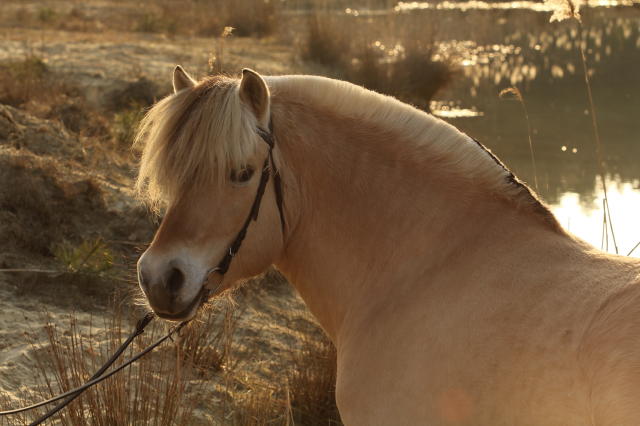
(22,80)
(351,51)
(125,124)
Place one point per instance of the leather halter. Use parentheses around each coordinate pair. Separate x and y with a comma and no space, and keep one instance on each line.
(268,168)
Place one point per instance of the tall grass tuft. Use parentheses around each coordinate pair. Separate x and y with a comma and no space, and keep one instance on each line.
(311,384)
(306,398)
(164,387)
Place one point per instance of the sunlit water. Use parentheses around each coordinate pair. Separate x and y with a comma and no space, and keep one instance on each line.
(500,45)
(587,220)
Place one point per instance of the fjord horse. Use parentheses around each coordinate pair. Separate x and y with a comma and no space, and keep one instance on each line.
(451,293)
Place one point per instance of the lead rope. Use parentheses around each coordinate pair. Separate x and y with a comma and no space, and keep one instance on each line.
(268,167)
(140,326)
(98,376)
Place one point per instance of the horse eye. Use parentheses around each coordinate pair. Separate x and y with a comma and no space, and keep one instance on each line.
(242,176)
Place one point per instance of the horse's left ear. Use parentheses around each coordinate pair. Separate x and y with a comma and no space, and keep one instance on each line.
(255,94)
(181,80)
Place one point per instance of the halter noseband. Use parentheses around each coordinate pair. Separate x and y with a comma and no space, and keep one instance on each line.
(267,168)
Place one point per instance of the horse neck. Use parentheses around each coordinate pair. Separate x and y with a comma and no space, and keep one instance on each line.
(370,217)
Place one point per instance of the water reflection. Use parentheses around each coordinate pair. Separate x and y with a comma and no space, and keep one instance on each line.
(585,219)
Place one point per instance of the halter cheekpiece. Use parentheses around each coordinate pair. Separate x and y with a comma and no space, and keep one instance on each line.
(268,168)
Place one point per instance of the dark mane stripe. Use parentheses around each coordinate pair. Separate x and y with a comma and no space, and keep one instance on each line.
(524,190)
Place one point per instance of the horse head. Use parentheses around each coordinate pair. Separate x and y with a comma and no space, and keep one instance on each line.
(205,166)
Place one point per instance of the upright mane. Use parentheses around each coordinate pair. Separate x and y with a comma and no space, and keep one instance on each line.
(192,139)
(440,139)
(195,137)
(461,154)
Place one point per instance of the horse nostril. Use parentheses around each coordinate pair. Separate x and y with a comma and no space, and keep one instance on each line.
(175,280)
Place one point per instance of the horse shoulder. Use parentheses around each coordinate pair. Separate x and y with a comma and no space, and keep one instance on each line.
(610,358)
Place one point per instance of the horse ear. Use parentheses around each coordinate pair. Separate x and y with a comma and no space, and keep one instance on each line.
(255,94)
(181,80)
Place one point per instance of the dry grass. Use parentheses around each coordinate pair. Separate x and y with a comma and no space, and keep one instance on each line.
(33,198)
(191,17)
(171,385)
(163,388)
(30,85)
(306,397)
(256,18)
(312,382)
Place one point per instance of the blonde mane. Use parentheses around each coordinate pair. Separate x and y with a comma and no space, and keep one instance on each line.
(459,153)
(192,139)
(195,137)
(440,139)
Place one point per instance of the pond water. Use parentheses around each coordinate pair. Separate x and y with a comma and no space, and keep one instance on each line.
(502,45)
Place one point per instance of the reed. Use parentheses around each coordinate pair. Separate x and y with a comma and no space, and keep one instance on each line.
(517,95)
(570,9)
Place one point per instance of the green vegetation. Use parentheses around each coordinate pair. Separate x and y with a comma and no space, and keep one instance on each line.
(91,257)
(125,124)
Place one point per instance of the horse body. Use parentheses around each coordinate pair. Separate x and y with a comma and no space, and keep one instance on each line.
(463,324)
(451,293)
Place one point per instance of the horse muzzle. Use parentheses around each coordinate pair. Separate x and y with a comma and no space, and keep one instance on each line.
(170,289)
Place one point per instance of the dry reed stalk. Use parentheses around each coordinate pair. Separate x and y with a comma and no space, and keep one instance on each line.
(634,248)
(596,133)
(518,96)
(570,9)
(35,271)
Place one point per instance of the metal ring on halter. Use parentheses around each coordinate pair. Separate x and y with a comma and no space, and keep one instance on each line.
(206,281)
